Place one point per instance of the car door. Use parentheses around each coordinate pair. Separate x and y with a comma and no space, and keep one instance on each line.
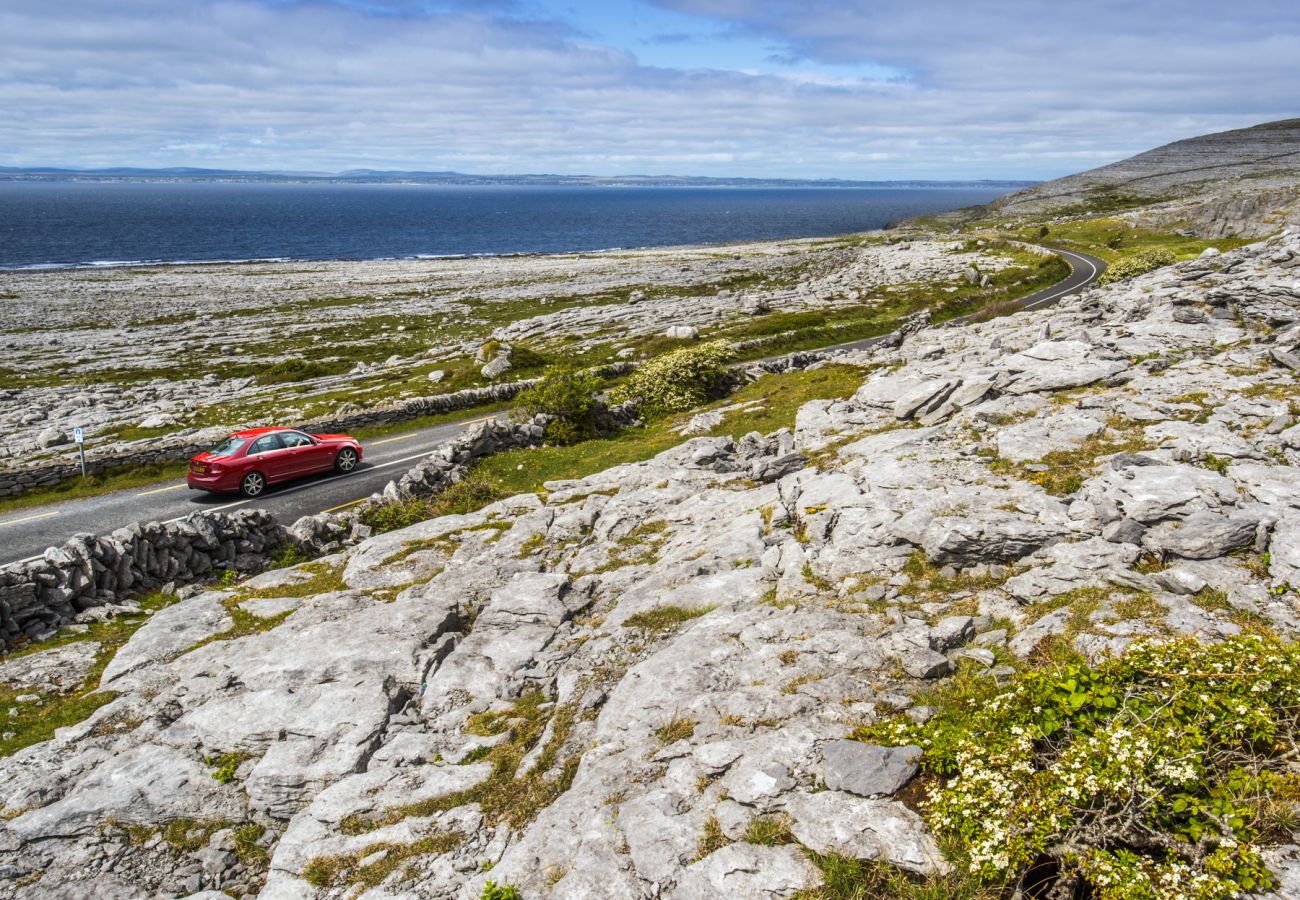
(270,458)
(308,455)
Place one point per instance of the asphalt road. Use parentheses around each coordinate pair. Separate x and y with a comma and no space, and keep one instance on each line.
(26,534)
(1084,270)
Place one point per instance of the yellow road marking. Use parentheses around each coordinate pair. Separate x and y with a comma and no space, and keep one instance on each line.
(171,487)
(405,437)
(345,505)
(29,518)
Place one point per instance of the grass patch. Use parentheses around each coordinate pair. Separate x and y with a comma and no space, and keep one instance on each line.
(37,720)
(509,795)
(662,618)
(332,871)
(1114,239)
(769,831)
(711,838)
(1062,472)
(678,728)
(846,878)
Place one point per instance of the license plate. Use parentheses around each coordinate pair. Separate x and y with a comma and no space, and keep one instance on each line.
(200,469)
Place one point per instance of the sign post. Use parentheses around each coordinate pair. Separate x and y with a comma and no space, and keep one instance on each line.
(80,437)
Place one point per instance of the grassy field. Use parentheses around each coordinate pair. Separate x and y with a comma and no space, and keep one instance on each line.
(1114,239)
(779,398)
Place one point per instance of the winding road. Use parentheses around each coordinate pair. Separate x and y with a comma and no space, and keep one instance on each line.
(25,534)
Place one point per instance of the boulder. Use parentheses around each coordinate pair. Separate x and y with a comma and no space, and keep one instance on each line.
(983,537)
(868,770)
(682,332)
(1202,535)
(838,822)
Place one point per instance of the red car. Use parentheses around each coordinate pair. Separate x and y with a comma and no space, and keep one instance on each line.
(248,461)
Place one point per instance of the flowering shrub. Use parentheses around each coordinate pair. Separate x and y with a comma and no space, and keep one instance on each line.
(1154,776)
(1138,264)
(678,380)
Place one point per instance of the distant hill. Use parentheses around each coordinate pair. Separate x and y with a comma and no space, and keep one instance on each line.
(369,176)
(1245,182)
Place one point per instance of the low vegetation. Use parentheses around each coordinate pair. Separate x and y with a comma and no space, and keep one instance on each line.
(1158,774)
(677,381)
(569,395)
(38,715)
(1138,264)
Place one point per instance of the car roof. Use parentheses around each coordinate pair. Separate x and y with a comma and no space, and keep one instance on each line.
(257,432)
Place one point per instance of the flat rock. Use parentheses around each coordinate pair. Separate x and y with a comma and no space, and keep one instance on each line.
(57,670)
(983,537)
(868,770)
(747,870)
(838,822)
(1202,535)
(1036,437)
(170,632)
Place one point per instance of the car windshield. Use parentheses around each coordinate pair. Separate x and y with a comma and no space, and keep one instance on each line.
(229,447)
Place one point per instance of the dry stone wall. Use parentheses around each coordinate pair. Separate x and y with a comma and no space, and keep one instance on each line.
(15,482)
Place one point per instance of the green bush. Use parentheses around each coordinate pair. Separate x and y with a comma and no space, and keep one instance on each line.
(469,495)
(1156,775)
(1138,264)
(569,396)
(299,370)
(494,891)
(678,380)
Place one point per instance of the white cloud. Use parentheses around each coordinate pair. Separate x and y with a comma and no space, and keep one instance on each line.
(1003,90)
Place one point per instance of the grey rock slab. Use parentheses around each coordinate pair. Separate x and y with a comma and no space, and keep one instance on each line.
(838,822)
(267,607)
(168,633)
(315,830)
(1284,551)
(57,670)
(749,871)
(1056,365)
(1202,535)
(1151,493)
(146,784)
(983,537)
(754,782)
(922,662)
(924,397)
(868,770)
(952,631)
(1035,438)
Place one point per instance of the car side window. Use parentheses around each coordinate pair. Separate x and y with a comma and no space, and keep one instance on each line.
(265,443)
(294,439)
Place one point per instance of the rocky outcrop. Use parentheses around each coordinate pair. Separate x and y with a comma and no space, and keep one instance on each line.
(648,682)
(1241,182)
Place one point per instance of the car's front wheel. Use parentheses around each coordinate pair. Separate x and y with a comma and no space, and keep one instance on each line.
(252,484)
(346,461)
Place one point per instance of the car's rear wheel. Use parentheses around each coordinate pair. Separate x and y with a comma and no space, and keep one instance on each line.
(252,484)
(346,461)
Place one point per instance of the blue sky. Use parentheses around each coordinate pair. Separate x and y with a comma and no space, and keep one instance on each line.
(870,89)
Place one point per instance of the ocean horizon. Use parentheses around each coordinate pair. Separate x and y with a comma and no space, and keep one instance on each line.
(68,224)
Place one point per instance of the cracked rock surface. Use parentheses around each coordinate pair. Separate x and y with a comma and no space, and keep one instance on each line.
(570,691)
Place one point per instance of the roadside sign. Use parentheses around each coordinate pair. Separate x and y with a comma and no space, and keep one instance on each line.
(80,437)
